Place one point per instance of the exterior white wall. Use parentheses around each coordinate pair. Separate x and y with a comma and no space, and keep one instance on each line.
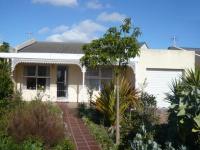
(160,59)
(163,59)
(74,84)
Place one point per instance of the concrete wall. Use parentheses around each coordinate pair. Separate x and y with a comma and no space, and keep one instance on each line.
(163,59)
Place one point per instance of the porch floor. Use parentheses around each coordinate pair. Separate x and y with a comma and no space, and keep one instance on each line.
(78,131)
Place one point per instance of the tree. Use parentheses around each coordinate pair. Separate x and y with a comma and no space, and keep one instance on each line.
(6,85)
(4,47)
(116,47)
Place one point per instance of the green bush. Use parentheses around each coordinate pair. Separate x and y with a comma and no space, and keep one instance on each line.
(184,117)
(37,119)
(142,141)
(6,86)
(7,143)
(65,144)
(32,144)
(91,113)
(135,118)
(106,102)
(100,134)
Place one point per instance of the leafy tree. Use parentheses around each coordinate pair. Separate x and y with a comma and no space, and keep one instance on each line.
(4,47)
(116,47)
(184,118)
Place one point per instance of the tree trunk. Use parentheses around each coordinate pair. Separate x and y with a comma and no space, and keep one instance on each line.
(117,115)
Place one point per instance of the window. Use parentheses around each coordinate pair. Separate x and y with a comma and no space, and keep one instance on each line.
(37,77)
(96,78)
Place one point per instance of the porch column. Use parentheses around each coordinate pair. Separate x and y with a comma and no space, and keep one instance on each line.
(83,76)
(83,93)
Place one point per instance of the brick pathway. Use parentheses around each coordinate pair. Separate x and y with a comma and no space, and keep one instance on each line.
(79,132)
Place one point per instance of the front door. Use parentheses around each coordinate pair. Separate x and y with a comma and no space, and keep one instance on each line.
(61,81)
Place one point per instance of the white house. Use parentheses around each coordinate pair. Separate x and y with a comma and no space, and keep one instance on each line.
(56,67)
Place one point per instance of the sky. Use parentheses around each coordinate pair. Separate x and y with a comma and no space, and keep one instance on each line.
(85,20)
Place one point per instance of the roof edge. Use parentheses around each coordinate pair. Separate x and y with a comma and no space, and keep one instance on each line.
(25,44)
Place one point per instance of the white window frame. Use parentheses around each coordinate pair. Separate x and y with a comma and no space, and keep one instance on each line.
(47,86)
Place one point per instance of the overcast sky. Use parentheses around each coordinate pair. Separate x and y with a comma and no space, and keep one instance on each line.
(84,20)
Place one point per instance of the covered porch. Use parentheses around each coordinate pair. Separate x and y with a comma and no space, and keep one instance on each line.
(58,77)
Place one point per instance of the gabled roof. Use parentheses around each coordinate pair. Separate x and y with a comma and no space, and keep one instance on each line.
(33,46)
(50,47)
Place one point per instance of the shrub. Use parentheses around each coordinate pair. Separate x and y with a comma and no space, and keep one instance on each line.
(32,144)
(106,102)
(101,135)
(135,118)
(65,144)
(6,106)
(36,119)
(143,142)
(90,113)
(184,118)
(6,86)
(7,143)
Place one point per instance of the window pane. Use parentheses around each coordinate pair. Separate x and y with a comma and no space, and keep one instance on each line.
(92,72)
(43,71)
(30,71)
(41,83)
(106,72)
(31,83)
(93,84)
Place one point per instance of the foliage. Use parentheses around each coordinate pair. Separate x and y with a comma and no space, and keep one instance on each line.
(32,144)
(4,47)
(115,47)
(6,86)
(65,144)
(36,119)
(184,118)
(100,134)
(143,142)
(106,102)
(135,118)
(89,112)
(7,143)
(6,106)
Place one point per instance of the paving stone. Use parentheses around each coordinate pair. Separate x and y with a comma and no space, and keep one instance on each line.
(78,131)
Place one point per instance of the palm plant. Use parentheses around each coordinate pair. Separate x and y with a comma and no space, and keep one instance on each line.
(106,101)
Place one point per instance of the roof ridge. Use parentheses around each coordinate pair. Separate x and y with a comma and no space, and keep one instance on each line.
(25,44)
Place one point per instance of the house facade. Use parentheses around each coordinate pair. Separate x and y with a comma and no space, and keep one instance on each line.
(54,70)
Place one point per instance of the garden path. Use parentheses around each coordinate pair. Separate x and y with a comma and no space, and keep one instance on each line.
(77,129)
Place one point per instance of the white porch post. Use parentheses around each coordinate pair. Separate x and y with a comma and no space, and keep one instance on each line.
(83,76)
(83,93)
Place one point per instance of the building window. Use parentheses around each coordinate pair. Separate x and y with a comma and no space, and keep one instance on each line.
(37,77)
(95,78)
